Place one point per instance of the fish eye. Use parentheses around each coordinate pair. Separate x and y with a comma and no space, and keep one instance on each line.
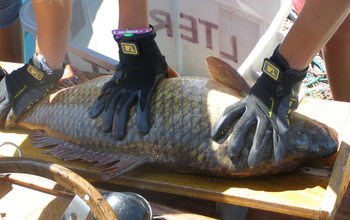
(301,139)
(301,133)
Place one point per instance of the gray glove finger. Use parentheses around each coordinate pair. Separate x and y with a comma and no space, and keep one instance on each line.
(262,136)
(108,115)
(279,145)
(143,110)
(239,132)
(282,119)
(122,115)
(101,104)
(97,108)
(222,126)
(5,104)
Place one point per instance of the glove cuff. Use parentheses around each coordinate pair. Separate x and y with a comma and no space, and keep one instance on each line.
(277,78)
(140,56)
(277,68)
(279,60)
(277,82)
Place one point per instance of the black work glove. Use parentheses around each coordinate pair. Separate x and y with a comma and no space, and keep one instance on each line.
(140,69)
(5,105)
(268,106)
(24,87)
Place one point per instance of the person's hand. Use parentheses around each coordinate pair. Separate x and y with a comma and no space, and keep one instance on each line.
(118,96)
(268,106)
(23,88)
(141,67)
(5,105)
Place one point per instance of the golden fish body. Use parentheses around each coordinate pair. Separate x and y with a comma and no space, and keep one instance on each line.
(182,114)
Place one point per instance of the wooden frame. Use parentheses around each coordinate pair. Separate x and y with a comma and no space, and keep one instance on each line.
(296,193)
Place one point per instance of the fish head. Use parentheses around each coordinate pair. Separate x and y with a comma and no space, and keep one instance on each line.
(310,139)
(307,140)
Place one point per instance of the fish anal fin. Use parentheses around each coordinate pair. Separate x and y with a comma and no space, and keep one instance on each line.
(226,74)
(112,165)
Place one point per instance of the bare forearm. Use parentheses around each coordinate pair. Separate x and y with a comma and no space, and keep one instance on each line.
(316,24)
(133,14)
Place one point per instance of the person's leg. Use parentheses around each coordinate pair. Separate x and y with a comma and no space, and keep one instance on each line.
(337,58)
(318,21)
(53,18)
(133,14)
(11,42)
(24,87)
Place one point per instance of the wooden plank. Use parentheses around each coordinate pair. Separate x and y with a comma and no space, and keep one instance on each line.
(343,212)
(338,183)
(181,207)
(335,115)
(294,193)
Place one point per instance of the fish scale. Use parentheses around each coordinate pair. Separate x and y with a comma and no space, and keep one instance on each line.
(183,110)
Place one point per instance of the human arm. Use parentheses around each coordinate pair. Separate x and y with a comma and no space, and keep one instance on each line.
(317,23)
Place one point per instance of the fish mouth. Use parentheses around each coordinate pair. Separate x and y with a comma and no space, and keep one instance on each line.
(331,142)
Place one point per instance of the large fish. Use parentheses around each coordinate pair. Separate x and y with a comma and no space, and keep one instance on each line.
(182,114)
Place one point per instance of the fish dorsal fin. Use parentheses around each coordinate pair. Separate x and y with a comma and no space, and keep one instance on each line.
(172,73)
(226,74)
(73,76)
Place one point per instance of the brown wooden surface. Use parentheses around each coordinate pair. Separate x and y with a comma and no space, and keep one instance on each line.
(337,184)
(16,203)
(295,193)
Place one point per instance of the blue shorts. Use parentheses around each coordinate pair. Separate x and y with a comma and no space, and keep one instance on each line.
(9,12)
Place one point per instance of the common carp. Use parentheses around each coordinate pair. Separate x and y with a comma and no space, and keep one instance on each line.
(182,114)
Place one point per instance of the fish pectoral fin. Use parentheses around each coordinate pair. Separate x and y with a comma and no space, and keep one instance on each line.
(125,164)
(112,165)
(72,76)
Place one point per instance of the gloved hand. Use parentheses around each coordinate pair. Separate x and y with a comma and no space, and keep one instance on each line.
(24,87)
(141,67)
(5,105)
(268,106)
